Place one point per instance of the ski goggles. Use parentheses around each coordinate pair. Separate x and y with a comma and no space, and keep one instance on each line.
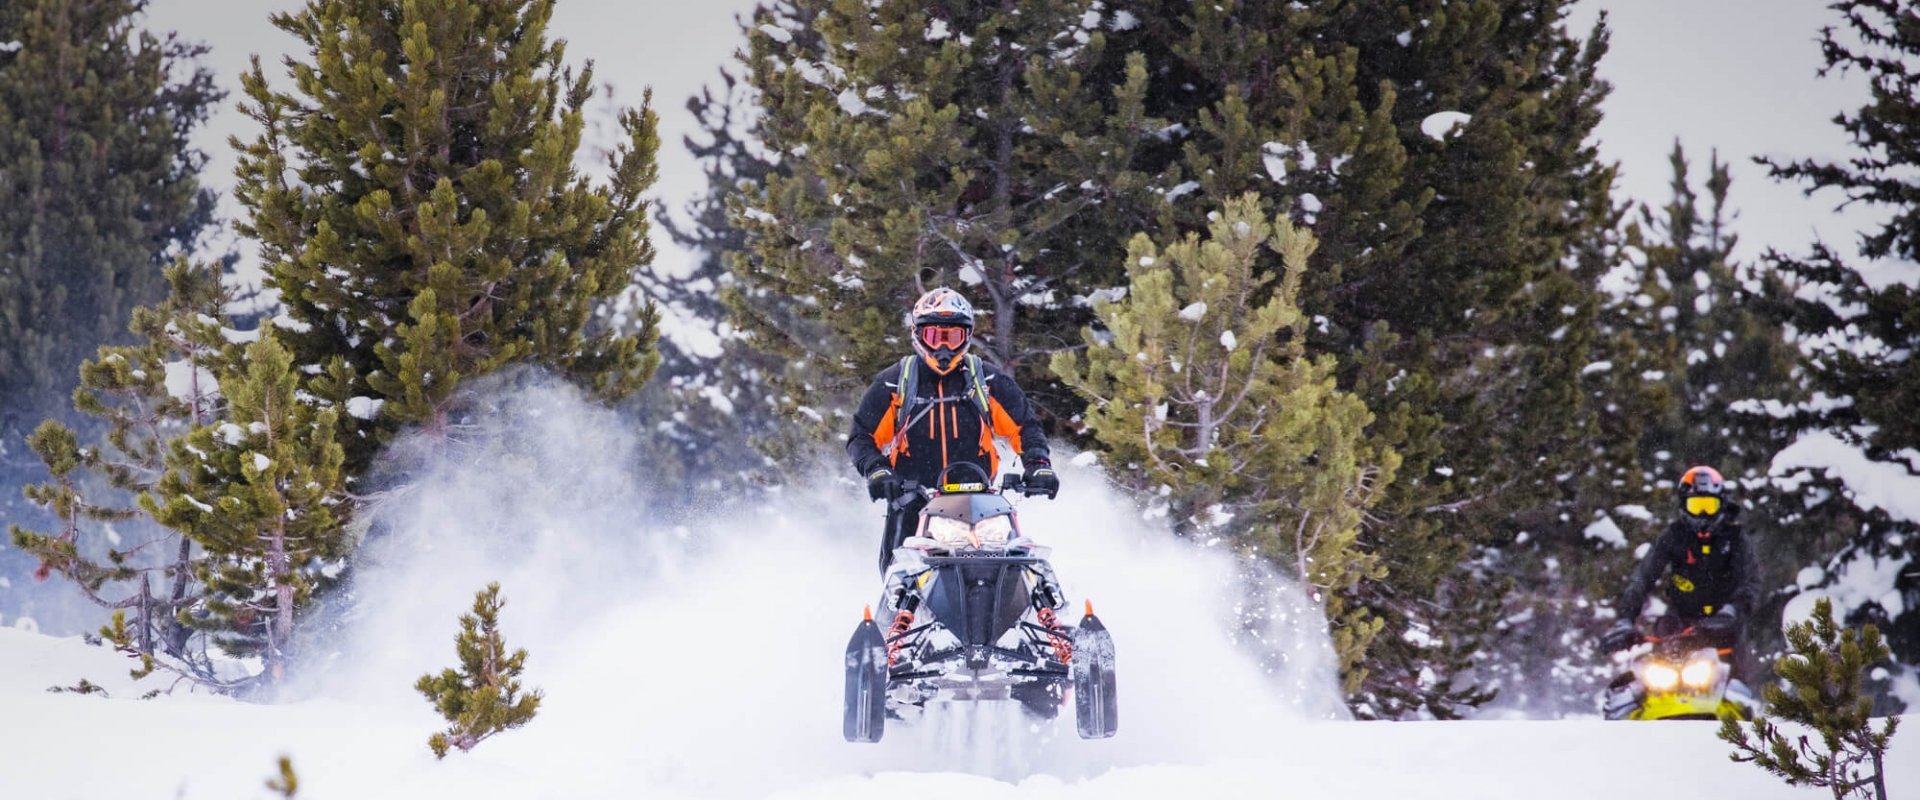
(1703,505)
(938,336)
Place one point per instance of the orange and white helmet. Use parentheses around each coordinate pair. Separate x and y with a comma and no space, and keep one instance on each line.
(942,328)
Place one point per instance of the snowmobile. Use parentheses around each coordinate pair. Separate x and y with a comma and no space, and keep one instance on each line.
(972,612)
(1683,675)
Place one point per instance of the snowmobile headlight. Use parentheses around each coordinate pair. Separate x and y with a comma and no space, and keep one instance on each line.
(1700,672)
(1660,677)
(949,532)
(994,530)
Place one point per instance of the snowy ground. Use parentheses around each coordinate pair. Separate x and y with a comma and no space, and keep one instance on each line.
(58,746)
(700,657)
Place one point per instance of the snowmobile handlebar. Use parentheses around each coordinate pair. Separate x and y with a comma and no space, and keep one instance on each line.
(1713,626)
(1014,482)
(910,491)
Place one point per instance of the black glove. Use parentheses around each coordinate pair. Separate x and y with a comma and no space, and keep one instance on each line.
(1620,637)
(1040,478)
(882,484)
(1724,621)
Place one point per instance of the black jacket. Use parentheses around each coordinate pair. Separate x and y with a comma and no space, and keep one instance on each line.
(1709,569)
(945,426)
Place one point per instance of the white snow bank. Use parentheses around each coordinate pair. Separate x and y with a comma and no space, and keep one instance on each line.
(1442,124)
(1859,580)
(199,748)
(185,380)
(364,407)
(777,33)
(1606,531)
(1871,484)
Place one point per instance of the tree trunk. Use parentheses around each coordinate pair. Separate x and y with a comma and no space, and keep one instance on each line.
(175,641)
(280,631)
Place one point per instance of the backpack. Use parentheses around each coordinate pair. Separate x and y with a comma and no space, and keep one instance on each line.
(909,391)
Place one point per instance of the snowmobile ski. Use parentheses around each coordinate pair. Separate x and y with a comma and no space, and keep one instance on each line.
(866,701)
(1096,708)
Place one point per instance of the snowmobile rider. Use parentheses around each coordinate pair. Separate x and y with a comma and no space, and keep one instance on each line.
(938,407)
(1715,573)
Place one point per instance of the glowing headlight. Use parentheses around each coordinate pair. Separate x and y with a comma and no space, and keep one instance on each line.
(949,532)
(1700,672)
(1660,677)
(994,530)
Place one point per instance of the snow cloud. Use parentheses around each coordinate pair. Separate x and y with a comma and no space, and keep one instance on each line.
(647,624)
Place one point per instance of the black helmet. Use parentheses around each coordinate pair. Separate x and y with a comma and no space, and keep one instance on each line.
(942,328)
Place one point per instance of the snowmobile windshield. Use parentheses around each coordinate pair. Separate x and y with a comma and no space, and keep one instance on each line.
(969,520)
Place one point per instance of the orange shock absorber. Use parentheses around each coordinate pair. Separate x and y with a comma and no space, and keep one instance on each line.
(1062,646)
(902,622)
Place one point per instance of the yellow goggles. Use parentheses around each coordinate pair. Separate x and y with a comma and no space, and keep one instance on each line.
(1703,506)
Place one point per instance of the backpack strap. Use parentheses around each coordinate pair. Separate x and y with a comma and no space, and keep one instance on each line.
(977,389)
(908,391)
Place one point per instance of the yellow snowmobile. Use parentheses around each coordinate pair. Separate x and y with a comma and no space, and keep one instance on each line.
(1683,673)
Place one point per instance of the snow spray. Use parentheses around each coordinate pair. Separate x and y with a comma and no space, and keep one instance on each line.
(700,654)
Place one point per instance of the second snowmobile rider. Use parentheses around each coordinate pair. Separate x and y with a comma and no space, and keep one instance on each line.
(941,406)
(1714,572)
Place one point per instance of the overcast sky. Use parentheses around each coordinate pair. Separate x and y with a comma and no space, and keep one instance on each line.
(1733,74)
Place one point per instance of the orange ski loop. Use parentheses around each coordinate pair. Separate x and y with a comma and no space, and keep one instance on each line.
(867,612)
(1089,608)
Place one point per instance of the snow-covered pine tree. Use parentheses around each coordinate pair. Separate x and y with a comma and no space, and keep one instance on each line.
(145,396)
(1683,345)
(101,191)
(1824,670)
(1200,379)
(482,697)
(257,493)
(419,209)
(987,146)
(1439,152)
(1855,443)
(1702,324)
(1714,354)
(721,422)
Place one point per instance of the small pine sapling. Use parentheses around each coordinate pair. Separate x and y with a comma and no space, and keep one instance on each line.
(1823,674)
(483,696)
(287,785)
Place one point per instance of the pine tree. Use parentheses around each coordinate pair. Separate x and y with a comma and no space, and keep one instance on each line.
(483,696)
(1684,349)
(1201,383)
(1823,673)
(1719,361)
(145,396)
(984,146)
(420,211)
(1445,255)
(1859,425)
(718,416)
(287,783)
(257,493)
(101,187)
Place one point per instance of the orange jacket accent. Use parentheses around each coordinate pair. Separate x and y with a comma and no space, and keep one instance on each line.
(945,427)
